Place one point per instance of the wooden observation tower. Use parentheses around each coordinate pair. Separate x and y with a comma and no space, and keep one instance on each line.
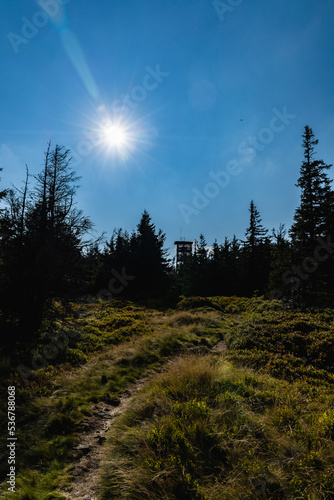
(183,249)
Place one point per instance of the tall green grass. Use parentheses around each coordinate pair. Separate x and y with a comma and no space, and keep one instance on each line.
(208,430)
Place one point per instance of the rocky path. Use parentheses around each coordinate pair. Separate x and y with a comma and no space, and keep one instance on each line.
(90,451)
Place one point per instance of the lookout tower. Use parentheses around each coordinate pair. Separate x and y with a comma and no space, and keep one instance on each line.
(183,249)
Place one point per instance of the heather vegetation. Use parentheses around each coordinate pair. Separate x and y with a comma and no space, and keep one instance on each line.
(254,419)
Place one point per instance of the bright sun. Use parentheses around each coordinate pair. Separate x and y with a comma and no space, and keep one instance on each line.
(115,136)
(119,138)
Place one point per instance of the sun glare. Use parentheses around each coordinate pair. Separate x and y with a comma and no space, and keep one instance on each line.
(115,136)
(119,138)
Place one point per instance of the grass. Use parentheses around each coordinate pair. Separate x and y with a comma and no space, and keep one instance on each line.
(208,430)
(255,422)
(288,345)
(115,347)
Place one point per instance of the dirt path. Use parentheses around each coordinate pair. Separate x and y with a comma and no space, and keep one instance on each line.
(93,432)
(90,450)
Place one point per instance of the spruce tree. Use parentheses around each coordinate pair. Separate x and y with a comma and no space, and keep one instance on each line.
(202,252)
(200,277)
(314,219)
(314,215)
(3,235)
(255,255)
(280,262)
(222,269)
(255,233)
(44,247)
(234,267)
(55,227)
(2,193)
(150,263)
(215,270)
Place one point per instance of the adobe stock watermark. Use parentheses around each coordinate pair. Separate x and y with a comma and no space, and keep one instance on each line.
(249,148)
(60,340)
(138,94)
(294,276)
(31,27)
(226,7)
(121,107)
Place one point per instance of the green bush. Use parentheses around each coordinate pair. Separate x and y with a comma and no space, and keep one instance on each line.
(197,302)
(75,356)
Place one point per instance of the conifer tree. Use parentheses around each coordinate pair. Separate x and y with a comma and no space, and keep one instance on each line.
(55,227)
(221,269)
(150,263)
(44,248)
(234,267)
(2,238)
(200,278)
(255,255)
(255,233)
(215,270)
(314,219)
(314,215)
(2,193)
(280,262)
(201,252)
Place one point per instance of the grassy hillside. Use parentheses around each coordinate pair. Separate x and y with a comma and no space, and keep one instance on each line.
(253,421)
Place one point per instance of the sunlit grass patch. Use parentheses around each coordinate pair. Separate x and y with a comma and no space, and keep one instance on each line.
(289,345)
(210,430)
(190,318)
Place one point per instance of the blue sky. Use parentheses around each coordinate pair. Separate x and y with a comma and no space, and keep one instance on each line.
(212,91)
